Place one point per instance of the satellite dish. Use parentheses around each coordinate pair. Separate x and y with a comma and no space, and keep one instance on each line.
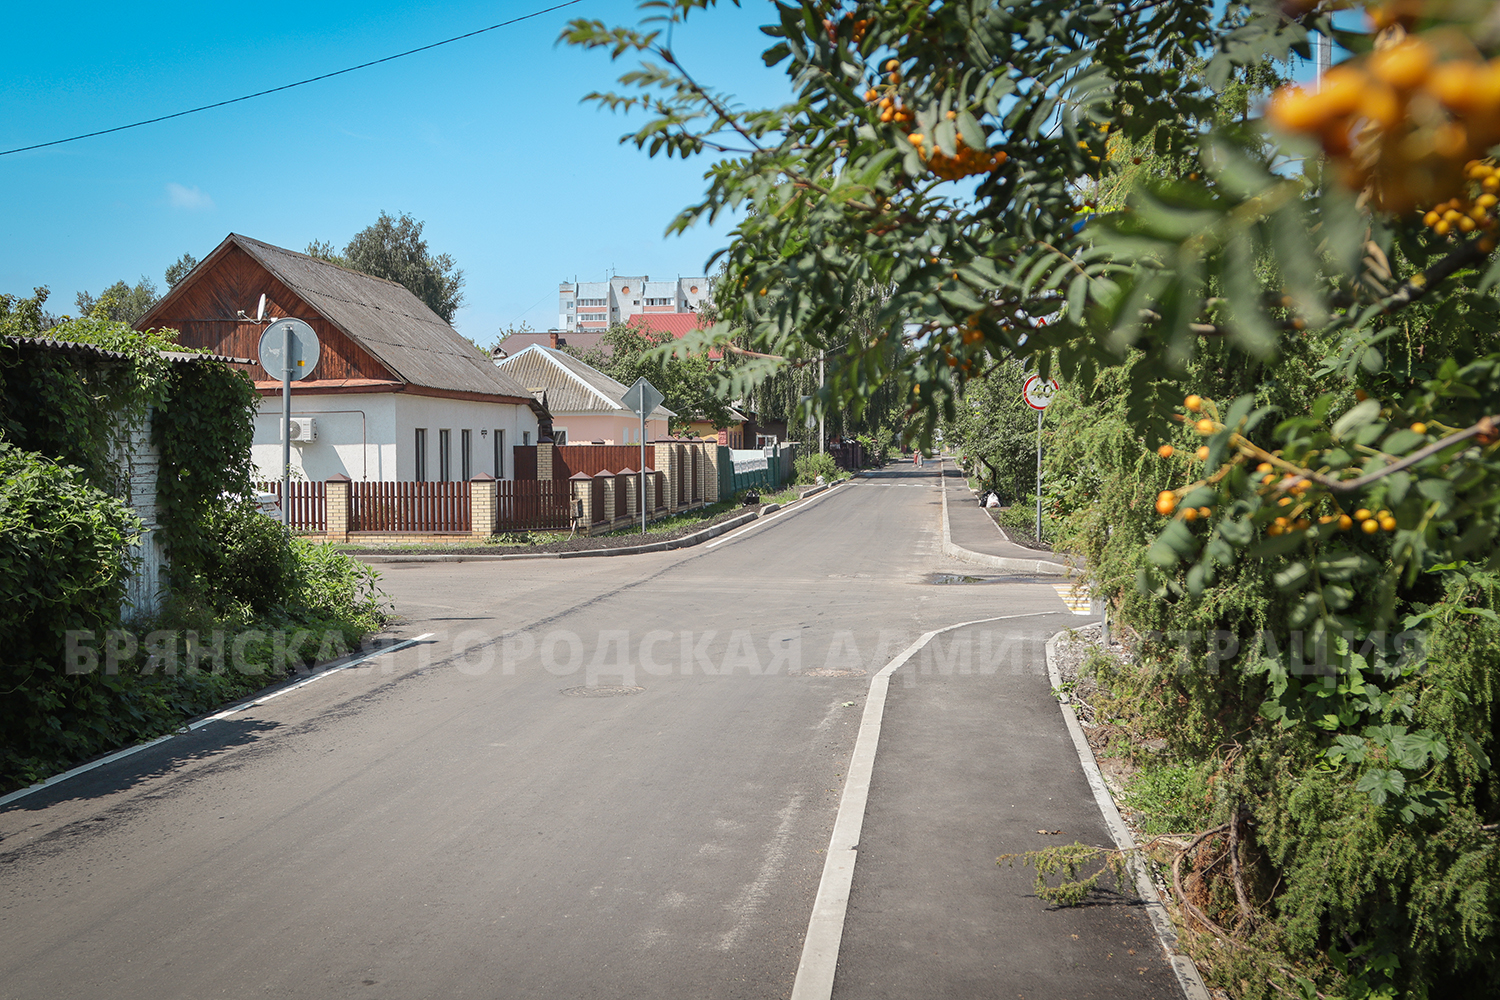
(260,310)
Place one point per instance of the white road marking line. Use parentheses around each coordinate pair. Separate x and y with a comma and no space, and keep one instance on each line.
(117,755)
(825,928)
(785,510)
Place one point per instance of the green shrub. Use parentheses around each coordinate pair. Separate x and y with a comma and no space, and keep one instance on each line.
(819,463)
(63,546)
(334,585)
(1171,797)
(251,562)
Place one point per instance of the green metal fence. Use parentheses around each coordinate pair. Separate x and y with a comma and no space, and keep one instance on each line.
(766,470)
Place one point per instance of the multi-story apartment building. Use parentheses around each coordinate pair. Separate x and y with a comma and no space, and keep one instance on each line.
(586,306)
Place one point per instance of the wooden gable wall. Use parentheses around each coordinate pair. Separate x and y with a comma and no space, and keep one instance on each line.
(204,313)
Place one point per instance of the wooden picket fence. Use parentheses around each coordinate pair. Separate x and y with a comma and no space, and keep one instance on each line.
(409,507)
(306,502)
(533,505)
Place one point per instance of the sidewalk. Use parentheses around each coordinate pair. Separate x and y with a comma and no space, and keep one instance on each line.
(972,530)
(971,767)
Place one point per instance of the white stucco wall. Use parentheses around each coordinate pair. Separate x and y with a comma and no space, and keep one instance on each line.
(372,436)
(139,461)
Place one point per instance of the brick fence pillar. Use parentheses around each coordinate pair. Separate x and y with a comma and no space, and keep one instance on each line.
(632,494)
(711,470)
(662,462)
(609,500)
(544,460)
(484,504)
(338,501)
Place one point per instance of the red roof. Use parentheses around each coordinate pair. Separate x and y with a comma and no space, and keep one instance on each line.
(677,324)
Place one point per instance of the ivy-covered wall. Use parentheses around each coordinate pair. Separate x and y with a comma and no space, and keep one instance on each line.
(71,407)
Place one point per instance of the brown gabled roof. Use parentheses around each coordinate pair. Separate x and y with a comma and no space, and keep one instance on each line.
(572,386)
(381,316)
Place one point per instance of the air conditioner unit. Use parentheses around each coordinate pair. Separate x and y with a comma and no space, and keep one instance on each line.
(304,429)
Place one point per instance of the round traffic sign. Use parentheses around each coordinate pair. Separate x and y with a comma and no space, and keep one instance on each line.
(304,353)
(1038,392)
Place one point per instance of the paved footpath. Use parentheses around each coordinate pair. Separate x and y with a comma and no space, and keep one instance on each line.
(974,760)
(971,527)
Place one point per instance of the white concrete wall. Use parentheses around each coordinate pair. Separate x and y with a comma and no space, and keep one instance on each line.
(372,436)
(139,462)
(356,437)
(611,428)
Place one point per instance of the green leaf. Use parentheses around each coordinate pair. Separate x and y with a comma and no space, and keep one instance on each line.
(1292,577)
(1344,564)
(1359,416)
(1380,783)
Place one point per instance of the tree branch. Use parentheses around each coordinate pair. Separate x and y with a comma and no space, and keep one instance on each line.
(1487,427)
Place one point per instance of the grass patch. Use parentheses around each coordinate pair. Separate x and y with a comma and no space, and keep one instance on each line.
(1170,797)
(685,519)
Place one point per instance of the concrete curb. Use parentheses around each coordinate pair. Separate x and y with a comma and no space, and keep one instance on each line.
(626,550)
(1033,567)
(1186,970)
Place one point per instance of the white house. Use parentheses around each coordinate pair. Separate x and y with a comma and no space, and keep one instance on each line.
(396,395)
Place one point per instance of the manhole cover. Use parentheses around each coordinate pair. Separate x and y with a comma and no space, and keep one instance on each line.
(602,691)
(826,672)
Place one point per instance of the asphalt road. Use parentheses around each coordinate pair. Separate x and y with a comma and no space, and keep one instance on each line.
(600,778)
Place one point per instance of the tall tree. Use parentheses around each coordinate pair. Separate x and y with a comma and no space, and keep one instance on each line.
(120,302)
(180,269)
(393,248)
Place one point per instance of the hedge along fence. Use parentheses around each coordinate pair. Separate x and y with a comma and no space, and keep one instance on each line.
(74,399)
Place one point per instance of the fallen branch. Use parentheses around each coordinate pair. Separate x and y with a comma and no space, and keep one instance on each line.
(1188,904)
(1240,894)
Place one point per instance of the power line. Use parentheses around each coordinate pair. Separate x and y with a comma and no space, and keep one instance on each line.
(289,86)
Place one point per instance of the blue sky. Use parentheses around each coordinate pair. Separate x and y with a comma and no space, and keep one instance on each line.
(485,140)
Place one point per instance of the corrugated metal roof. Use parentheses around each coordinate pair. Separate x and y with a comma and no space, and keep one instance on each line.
(73,347)
(387,320)
(572,386)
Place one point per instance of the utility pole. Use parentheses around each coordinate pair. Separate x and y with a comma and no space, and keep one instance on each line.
(821,384)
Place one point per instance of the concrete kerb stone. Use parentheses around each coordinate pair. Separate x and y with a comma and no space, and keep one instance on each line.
(627,550)
(686,541)
(1032,567)
(1184,967)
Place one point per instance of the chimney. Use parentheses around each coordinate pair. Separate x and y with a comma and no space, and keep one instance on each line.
(552,336)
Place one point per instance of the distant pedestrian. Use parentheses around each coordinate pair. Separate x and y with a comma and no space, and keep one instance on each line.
(916,459)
